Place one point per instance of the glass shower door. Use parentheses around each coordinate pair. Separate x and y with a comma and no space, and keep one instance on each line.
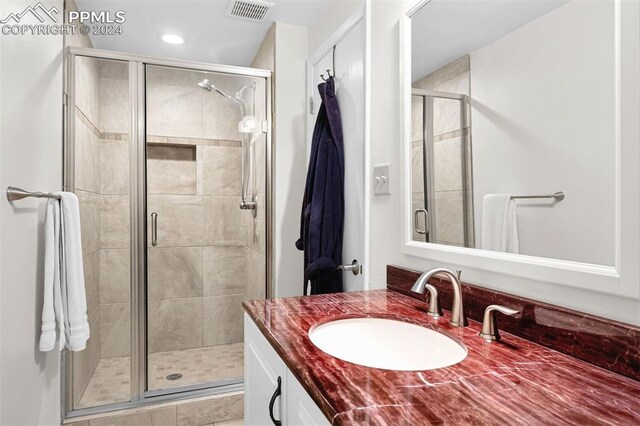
(205,255)
(441,169)
(420,204)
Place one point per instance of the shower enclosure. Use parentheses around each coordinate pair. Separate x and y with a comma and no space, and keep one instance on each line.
(174,184)
(441,175)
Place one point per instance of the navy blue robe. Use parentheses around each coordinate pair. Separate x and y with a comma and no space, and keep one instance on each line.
(322,219)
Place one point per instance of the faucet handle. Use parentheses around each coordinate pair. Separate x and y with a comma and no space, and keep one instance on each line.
(489,327)
(434,307)
(420,286)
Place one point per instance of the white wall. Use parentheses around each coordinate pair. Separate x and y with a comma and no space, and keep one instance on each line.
(536,130)
(386,211)
(30,157)
(290,155)
(328,21)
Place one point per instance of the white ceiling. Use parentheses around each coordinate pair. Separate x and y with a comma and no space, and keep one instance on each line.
(209,35)
(444,30)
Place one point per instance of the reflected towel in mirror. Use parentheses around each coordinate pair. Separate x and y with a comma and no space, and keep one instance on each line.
(500,223)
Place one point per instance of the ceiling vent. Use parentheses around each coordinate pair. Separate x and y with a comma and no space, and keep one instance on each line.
(251,10)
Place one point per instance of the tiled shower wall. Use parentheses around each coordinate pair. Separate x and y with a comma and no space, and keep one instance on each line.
(87,182)
(114,282)
(448,137)
(102,186)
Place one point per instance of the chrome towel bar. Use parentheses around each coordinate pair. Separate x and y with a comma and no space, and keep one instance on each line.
(14,194)
(558,196)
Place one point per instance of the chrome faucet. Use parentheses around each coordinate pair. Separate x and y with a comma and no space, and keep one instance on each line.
(457,310)
(489,327)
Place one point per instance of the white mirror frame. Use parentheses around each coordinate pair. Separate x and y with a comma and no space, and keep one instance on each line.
(622,279)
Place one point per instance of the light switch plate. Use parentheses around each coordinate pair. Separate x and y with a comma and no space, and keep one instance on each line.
(381,179)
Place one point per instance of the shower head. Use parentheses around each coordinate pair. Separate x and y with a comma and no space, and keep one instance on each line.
(205,84)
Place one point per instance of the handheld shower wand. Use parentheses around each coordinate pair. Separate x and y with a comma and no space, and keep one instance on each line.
(246,126)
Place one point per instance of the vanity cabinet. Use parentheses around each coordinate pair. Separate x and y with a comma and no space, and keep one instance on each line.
(271,391)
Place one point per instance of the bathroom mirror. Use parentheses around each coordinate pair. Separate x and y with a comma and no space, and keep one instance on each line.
(512,125)
(516,137)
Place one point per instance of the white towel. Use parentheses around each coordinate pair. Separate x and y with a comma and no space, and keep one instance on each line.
(499,223)
(65,300)
(52,307)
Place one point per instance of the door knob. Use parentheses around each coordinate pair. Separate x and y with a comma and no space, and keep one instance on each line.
(355,267)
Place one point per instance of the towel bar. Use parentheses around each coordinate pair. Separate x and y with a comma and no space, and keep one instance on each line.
(14,194)
(558,196)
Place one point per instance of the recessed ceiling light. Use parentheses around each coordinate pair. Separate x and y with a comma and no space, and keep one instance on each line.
(172,39)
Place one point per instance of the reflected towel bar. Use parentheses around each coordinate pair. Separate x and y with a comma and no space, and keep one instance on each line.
(14,194)
(558,196)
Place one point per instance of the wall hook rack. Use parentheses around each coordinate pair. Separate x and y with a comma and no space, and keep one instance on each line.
(328,73)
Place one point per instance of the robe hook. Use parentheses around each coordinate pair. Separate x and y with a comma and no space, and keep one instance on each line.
(328,73)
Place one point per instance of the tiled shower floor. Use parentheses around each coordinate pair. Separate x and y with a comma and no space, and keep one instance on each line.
(110,381)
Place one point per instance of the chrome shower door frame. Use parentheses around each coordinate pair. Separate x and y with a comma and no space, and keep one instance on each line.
(137,64)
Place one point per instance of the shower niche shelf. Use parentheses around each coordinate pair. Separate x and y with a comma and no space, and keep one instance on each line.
(167,151)
(171,169)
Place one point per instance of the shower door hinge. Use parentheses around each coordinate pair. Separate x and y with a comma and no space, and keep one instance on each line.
(265,126)
(311,111)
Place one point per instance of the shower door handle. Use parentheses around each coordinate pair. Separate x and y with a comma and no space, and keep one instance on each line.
(275,395)
(416,221)
(154,229)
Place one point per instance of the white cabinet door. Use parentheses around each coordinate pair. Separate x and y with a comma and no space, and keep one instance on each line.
(301,409)
(262,369)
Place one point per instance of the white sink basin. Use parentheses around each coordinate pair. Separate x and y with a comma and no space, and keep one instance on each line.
(387,344)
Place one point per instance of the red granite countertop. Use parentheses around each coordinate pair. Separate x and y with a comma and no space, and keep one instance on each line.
(513,381)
